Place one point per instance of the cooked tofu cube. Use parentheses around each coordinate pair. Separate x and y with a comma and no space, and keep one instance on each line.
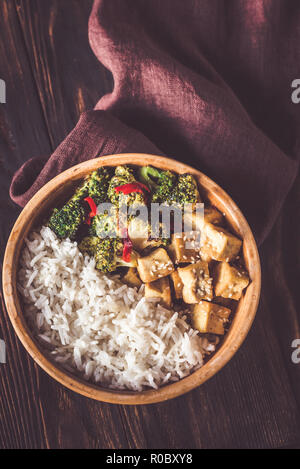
(154,266)
(193,217)
(212,215)
(177,283)
(159,289)
(210,318)
(131,278)
(171,251)
(229,282)
(138,231)
(186,247)
(205,254)
(219,243)
(197,283)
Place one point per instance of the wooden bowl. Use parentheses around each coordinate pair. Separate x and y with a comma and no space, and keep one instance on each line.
(56,191)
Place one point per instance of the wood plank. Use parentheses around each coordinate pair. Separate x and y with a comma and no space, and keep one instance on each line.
(67,74)
(20,415)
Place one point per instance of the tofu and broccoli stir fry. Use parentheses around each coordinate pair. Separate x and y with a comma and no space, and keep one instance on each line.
(204,274)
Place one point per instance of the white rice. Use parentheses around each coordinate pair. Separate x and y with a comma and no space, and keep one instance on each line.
(98,327)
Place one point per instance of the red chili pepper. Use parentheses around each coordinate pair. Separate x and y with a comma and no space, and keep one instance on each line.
(93,208)
(127,246)
(132,187)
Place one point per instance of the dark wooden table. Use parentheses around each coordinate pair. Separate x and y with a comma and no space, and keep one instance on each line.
(52,76)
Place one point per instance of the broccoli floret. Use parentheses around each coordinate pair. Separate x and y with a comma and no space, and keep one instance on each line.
(167,188)
(81,192)
(66,221)
(89,245)
(98,185)
(104,225)
(107,253)
(95,185)
(161,182)
(124,175)
(125,172)
(185,191)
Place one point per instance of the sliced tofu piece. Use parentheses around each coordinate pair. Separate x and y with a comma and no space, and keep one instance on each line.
(138,231)
(186,246)
(131,278)
(171,252)
(210,318)
(219,244)
(206,254)
(193,219)
(154,266)
(177,284)
(229,282)
(159,289)
(212,215)
(197,283)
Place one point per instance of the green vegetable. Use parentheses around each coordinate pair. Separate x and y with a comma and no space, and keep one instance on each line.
(124,175)
(89,245)
(165,186)
(161,182)
(66,221)
(107,253)
(185,191)
(104,225)
(98,184)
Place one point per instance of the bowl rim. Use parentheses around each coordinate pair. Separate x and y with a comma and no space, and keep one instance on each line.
(71,381)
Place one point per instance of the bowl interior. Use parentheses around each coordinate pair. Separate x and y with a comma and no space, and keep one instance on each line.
(56,192)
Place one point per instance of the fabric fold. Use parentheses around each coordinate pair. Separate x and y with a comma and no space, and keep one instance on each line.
(183,88)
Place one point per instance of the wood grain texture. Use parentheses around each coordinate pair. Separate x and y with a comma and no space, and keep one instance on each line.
(51,76)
